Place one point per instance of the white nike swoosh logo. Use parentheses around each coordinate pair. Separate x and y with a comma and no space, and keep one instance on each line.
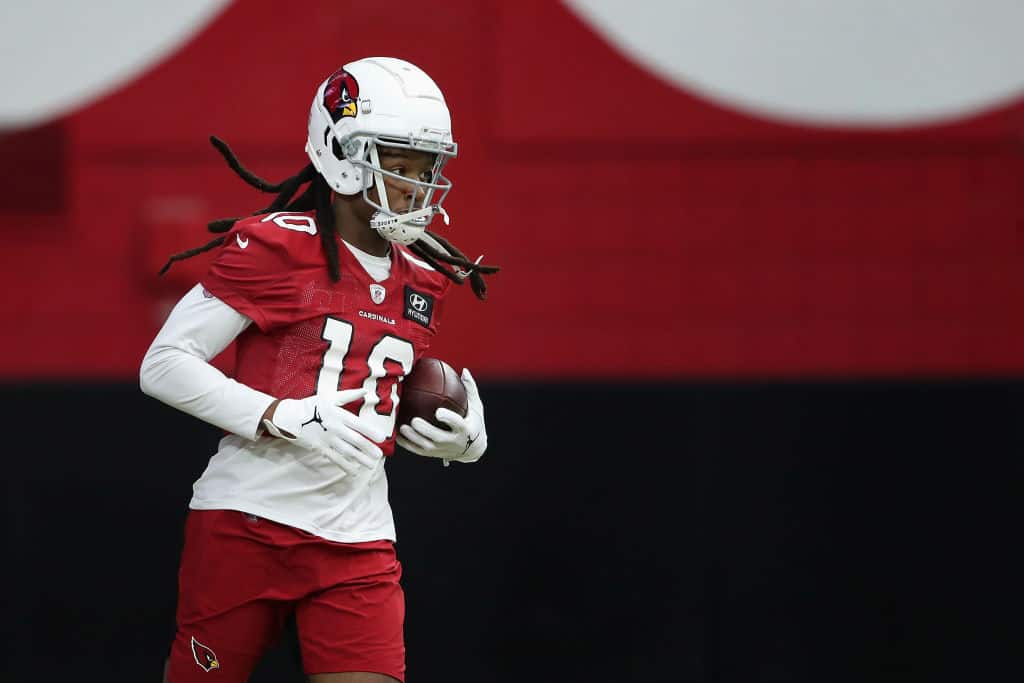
(242,243)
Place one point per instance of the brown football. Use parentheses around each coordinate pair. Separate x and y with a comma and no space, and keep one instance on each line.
(432,384)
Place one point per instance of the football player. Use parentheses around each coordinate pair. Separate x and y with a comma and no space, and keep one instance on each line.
(331,296)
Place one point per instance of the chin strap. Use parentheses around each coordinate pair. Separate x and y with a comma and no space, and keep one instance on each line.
(406,228)
(418,218)
(463,274)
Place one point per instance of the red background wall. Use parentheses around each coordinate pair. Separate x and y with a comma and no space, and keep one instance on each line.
(643,231)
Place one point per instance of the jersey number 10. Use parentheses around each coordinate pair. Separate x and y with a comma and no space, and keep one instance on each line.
(381,403)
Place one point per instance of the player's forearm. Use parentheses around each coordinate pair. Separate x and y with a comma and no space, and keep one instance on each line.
(193,386)
(176,369)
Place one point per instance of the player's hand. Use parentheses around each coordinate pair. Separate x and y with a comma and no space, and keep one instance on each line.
(465,442)
(319,423)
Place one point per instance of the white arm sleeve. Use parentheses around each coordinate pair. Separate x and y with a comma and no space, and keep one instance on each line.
(176,370)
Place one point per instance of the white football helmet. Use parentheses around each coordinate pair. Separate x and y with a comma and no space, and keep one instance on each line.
(382,102)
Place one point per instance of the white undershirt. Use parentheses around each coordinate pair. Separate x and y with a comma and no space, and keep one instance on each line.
(378,267)
(176,368)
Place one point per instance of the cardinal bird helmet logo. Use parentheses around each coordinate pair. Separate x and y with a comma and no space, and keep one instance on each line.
(204,656)
(341,95)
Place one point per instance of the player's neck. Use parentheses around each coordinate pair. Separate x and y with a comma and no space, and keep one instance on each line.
(355,229)
(364,239)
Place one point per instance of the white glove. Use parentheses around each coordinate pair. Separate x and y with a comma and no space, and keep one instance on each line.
(465,442)
(319,423)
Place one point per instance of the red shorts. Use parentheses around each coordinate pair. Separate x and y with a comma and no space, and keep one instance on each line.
(241,576)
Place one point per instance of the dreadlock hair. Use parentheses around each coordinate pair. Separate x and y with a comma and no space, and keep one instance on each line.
(431,247)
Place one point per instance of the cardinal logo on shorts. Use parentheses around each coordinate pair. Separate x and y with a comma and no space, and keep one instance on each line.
(204,656)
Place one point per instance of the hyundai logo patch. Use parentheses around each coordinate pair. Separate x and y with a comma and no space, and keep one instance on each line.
(419,307)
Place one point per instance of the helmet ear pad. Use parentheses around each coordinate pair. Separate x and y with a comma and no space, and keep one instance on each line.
(344,177)
(352,184)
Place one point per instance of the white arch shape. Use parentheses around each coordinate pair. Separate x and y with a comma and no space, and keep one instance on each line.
(827,62)
(60,55)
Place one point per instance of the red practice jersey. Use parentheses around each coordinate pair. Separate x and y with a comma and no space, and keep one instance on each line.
(312,335)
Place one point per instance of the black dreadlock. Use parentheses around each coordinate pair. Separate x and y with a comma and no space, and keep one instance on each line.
(435,250)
